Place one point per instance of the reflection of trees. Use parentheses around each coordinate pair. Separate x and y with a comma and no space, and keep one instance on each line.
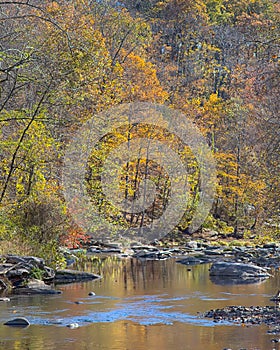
(144,274)
(126,278)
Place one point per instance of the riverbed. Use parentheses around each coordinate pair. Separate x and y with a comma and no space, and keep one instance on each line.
(138,305)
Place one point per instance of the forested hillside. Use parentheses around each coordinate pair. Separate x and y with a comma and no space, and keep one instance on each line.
(61,62)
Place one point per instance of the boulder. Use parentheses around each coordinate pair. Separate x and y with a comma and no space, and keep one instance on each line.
(152,255)
(73,325)
(237,270)
(5,299)
(18,322)
(270,245)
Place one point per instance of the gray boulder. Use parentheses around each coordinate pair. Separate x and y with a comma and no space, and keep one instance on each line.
(237,270)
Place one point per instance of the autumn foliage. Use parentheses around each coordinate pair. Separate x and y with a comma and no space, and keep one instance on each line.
(63,61)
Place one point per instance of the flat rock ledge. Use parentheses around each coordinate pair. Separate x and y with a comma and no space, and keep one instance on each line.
(252,315)
(69,276)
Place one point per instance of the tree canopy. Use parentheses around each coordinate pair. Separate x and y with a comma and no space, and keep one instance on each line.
(62,61)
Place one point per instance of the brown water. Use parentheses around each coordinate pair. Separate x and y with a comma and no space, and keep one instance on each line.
(138,305)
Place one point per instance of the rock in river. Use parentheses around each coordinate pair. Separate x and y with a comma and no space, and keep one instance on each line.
(194,260)
(68,276)
(35,286)
(5,299)
(73,325)
(18,322)
(237,270)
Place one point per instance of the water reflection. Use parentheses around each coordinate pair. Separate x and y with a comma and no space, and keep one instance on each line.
(138,305)
(223,281)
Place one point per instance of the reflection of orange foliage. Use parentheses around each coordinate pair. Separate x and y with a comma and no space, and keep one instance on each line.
(74,237)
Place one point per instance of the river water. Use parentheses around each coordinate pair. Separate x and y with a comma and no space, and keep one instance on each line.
(138,305)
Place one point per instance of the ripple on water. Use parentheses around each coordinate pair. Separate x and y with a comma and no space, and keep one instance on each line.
(144,310)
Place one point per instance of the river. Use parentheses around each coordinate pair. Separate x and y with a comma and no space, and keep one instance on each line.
(139,305)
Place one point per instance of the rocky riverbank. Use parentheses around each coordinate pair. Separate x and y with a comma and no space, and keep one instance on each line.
(30,275)
(192,252)
(231,264)
(252,315)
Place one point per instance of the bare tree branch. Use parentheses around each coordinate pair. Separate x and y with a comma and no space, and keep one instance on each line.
(12,165)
